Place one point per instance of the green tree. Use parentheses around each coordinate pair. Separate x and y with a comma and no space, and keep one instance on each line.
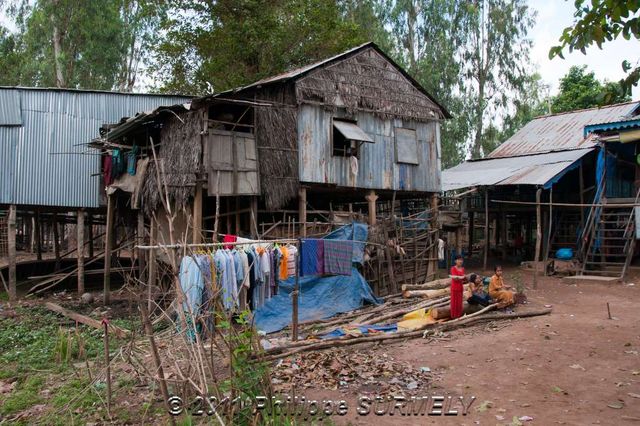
(581,89)
(213,46)
(598,22)
(496,59)
(64,43)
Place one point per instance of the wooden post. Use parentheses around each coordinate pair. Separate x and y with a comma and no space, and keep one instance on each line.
(217,217)
(503,234)
(294,297)
(228,215)
(32,234)
(487,236)
(140,254)
(549,229)
(153,236)
(254,217)
(105,322)
(108,246)
(90,234)
(581,174)
(38,232)
(458,241)
(237,216)
(197,213)
(371,198)
(302,210)
(472,220)
(11,246)
(432,265)
(56,240)
(80,250)
(538,237)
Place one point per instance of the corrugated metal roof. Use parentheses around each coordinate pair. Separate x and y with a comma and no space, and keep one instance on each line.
(537,169)
(10,108)
(562,131)
(45,160)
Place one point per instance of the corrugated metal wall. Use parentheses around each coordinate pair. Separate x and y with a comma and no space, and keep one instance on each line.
(59,121)
(377,165)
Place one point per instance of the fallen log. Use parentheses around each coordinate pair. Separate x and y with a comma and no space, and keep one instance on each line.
(429,293)
(448,326)
(83,319)
(412,308)
(431,285)
(444,312)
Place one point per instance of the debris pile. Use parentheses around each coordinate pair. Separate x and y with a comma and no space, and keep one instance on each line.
(344,370)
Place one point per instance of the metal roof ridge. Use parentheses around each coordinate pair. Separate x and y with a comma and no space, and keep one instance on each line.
(474,160)
(576,111)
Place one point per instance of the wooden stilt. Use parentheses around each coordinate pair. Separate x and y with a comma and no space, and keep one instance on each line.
(108,248)
(237,217)
(80,256)
(38,232)
(254,217)
(371,198)
(90,233)
(56,240)
(217,217)
(471,229)
(197,214)
(228,215)
(581,175)
(11,246)
(538,238)
(549,230)
(32,234)
(487,235)
(302,210)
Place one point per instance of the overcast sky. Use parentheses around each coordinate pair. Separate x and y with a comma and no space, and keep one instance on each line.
(553,16)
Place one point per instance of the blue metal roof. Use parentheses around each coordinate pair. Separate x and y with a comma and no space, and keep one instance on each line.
(618,125)
(44,159)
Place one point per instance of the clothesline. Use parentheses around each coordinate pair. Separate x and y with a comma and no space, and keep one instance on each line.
(218,244)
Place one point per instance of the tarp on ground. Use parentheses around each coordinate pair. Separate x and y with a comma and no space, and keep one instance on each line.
(319,298)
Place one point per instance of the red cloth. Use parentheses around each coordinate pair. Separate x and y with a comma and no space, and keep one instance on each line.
(229,239)
(106,169)
(457,290)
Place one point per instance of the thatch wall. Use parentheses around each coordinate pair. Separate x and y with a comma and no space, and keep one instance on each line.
(180,154)
(277,141)
(367,82)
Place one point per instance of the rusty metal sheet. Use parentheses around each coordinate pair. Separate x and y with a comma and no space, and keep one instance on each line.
(351,131)
(562,131)
(536,169)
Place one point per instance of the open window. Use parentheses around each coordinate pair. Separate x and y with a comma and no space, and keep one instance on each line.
(347,138)
(231,117)
(406,146)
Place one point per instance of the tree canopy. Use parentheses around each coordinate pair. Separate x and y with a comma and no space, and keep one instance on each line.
(580,89)
(598,22)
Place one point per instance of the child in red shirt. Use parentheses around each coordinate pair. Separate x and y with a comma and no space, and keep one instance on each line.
(457,287)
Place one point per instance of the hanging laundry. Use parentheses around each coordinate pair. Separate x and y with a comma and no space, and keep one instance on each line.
(107,164)
(131,160)
(292,261)
(191,283)
(337,257)
(312,257)
(283,273)
(118,165)
(229,239)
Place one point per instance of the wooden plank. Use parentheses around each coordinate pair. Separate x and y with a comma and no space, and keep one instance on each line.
(83,319)
(538,238)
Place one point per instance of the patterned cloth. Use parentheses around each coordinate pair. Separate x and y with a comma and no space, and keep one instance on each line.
(337,257)
(312,257)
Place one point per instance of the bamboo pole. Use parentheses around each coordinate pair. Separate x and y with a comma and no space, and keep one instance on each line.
(549,230)
(294,297)
(38,232)
(153,236)
(56,240)
(197,213)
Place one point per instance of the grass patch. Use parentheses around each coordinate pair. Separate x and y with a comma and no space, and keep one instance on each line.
(26,394)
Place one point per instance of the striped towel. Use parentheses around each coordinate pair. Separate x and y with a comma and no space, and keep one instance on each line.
(337,257)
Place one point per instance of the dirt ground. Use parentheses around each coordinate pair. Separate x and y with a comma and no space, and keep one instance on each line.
(573,367)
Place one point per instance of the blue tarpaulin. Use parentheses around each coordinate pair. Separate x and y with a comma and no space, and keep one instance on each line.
(319,298)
